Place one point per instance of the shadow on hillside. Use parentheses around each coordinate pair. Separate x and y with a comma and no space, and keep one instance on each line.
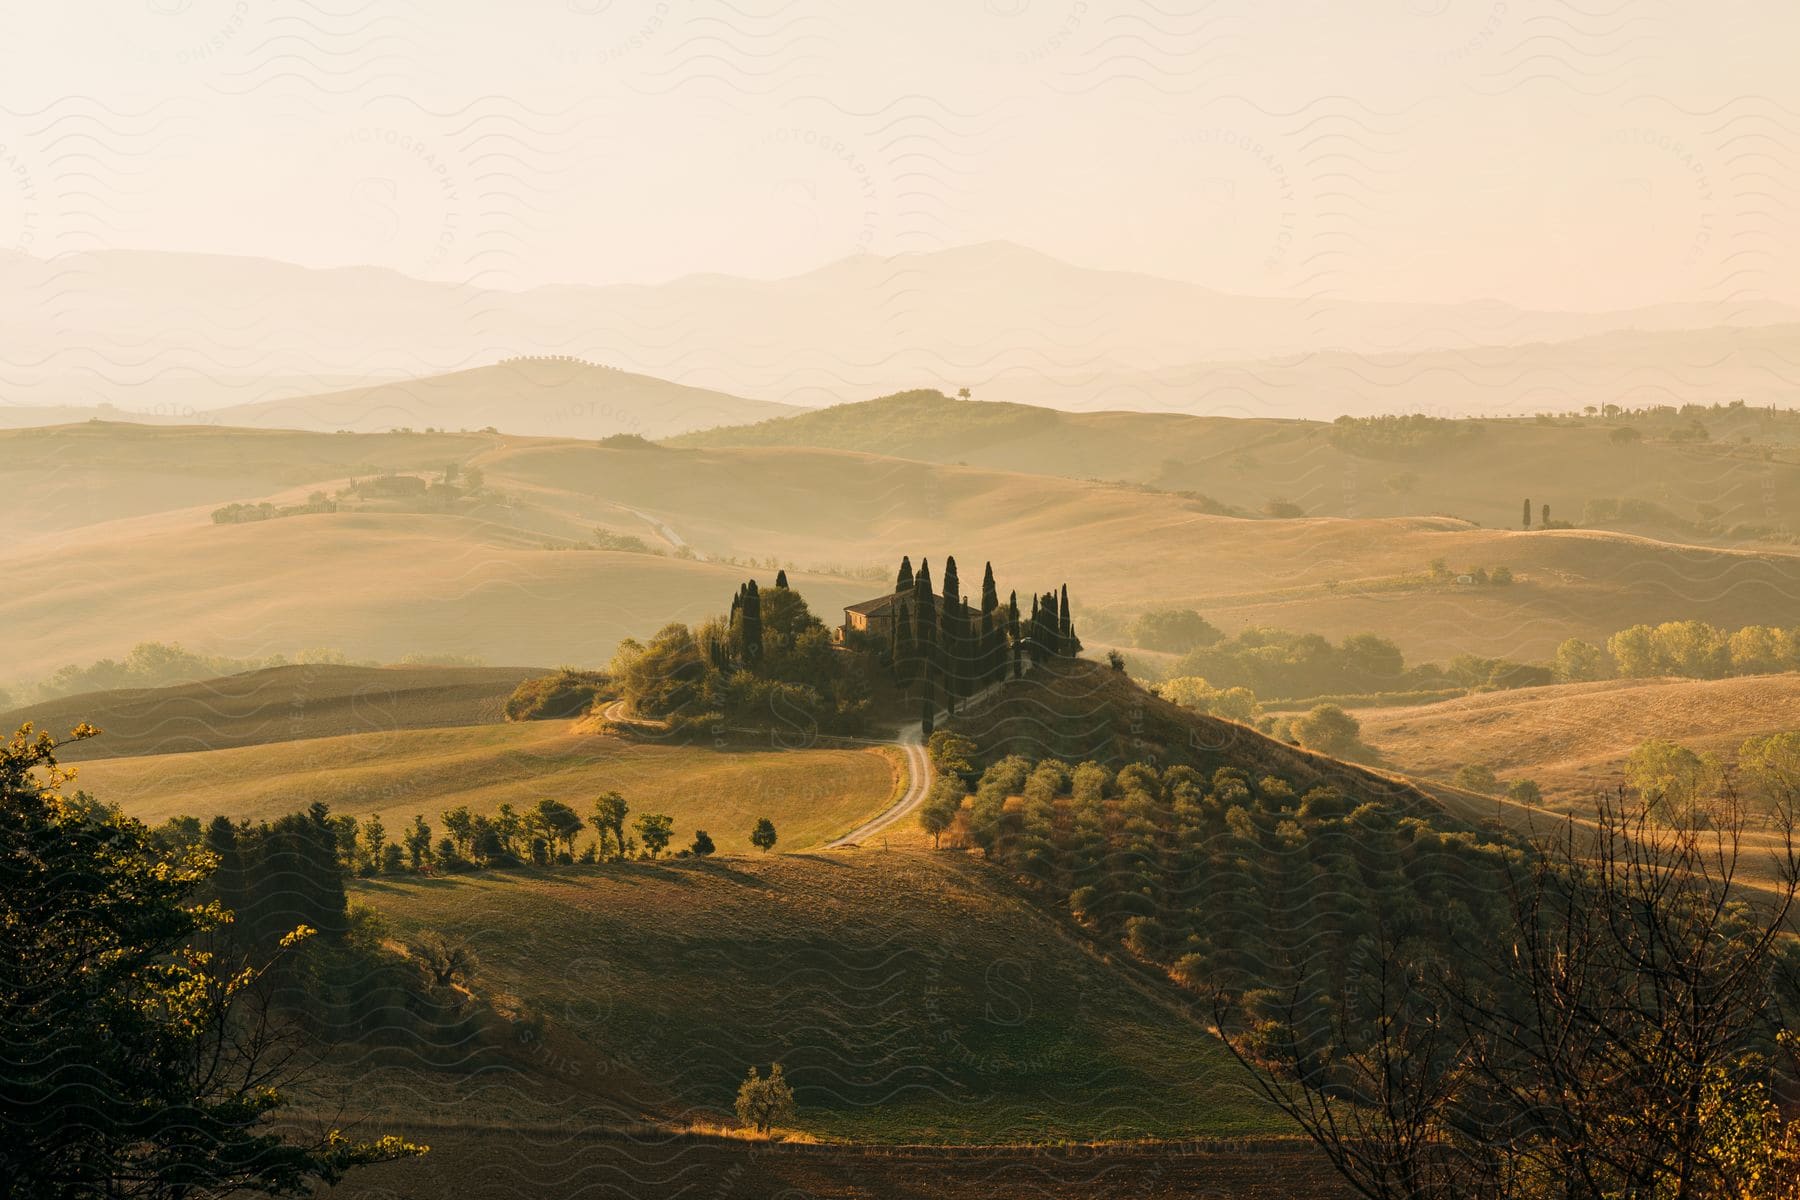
(680,872)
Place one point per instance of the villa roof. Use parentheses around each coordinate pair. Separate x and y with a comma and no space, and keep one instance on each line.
(873,607)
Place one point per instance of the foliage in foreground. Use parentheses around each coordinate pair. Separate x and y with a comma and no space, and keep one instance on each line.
(1617,1038)
(139,1057)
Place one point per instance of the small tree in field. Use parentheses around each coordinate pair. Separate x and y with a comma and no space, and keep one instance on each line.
(1524,791)
(655,830)
(703,844)
(763,836)
(762,1102)
(608,820)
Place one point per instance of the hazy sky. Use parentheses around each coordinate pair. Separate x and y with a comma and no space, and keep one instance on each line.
(1551,154)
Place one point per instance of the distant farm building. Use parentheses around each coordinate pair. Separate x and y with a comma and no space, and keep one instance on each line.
(875,617)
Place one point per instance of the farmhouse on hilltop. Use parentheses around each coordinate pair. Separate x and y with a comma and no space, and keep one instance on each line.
(869,616)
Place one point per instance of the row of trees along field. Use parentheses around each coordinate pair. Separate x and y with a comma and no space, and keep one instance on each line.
(770,659)
(316,855)
(1693,649)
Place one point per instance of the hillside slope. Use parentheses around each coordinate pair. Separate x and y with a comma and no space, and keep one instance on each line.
(1573,739)
(95,325)
(279,704)
(1748,473)
(912,998)
(1077,711)
(553,396)
(812,795)
(484,578)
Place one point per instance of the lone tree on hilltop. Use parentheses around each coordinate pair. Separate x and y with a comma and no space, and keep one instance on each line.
(1527,518)
(763,836)
(762,1102)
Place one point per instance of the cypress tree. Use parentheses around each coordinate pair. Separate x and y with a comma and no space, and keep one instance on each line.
(1012,637)
(753,632)
(904,648)
(1046,633)
(926,649)
(1546,521)
(951,633)
(781,579)
(1527,524)
(1031,630)
(1065,629)
(990,595)
(903,582)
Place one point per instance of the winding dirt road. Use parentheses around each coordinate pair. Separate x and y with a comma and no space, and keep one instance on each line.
(911,741)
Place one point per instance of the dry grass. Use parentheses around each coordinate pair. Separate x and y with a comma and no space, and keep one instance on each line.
(1244,462)
(811,795)
(381,585)
(911,998)
(280,704)
(1573,739)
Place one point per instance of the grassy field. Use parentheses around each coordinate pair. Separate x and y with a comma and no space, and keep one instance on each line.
(1573,739)
(910,998)
(1247,461)
(279,704)
(811,795)
(483,582)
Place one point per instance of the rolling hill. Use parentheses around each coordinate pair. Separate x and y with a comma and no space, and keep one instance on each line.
(98,326)
(546,395)
(499,577)
(1747,474)
(1573,739)
(892,992)
(278,704)
(811,795)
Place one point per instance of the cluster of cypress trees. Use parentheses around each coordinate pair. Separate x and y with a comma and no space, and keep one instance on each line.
(942,643)
(746,626)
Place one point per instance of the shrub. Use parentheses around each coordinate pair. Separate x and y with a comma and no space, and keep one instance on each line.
(1478,777)
(568,693)
(1524,791)
(1173,631)
(1330,730)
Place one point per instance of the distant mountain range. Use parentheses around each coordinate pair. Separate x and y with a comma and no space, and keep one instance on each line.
(543,397)
(179,333)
